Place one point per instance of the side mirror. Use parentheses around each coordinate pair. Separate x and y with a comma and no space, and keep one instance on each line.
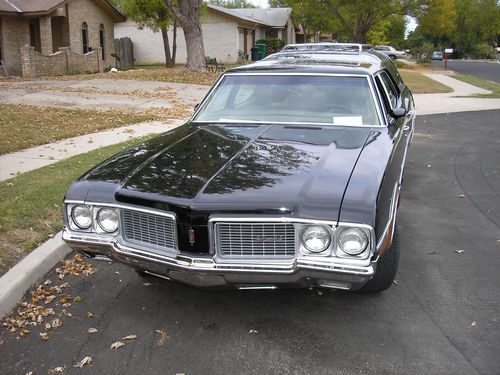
(398,112)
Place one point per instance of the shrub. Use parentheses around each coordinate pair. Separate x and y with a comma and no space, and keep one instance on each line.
(273,44)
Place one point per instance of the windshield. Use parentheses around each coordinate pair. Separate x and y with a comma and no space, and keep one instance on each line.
(328,100)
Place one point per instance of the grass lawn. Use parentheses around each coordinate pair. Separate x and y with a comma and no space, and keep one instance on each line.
(30,207)
(149,73)
(479,82)
(420,84)
(23,126)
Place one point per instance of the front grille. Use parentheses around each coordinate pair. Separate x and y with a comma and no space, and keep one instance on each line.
(255,239)
(148,229)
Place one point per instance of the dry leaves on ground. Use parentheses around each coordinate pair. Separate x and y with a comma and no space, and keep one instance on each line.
(459,251)
(75,266)
(57,370)
(162,337)
(117,344)
(85,361)
(129,337)
(92,330)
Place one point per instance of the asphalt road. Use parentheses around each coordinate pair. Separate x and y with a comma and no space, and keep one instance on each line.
(484,70)
(442,317)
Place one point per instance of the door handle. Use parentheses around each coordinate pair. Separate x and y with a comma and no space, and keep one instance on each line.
(405,128)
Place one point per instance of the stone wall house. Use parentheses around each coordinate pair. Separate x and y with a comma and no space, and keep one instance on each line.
(65,36)
(225,32)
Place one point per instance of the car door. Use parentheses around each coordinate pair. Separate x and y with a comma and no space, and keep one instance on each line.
(400,130)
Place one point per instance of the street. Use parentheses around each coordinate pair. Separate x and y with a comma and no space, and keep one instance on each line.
(442,316)
(484,70)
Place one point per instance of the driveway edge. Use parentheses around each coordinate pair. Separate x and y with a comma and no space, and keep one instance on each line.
(27,272)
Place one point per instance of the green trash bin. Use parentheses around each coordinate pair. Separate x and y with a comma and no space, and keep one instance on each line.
(258,51)
(262,50)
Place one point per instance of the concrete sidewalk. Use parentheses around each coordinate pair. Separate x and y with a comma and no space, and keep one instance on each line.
(37,157)
(102,94)
(428,104)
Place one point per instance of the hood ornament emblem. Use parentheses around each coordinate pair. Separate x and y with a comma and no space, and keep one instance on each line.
(191,237)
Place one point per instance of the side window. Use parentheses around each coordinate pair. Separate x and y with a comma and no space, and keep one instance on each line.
(390,89)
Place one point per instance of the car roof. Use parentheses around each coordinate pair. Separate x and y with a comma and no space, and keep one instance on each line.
(320,61)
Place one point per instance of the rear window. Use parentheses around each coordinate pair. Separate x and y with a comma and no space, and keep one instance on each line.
(326,100)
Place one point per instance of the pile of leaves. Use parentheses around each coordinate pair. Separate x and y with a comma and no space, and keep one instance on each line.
(39,311)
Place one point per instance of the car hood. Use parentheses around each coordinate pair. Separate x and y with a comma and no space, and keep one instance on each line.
(298,170)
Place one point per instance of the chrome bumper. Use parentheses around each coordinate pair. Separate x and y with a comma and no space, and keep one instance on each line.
(205,272)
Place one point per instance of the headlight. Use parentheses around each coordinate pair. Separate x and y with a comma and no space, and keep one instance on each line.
(352,241)
(316,238)
(107,218)
(82,216)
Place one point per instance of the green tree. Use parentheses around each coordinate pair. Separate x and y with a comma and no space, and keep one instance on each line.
(154,15)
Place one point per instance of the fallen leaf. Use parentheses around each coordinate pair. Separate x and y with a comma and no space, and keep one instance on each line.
(163,337)
(320,293)
(395,282)
(44,336)
(429,165)
(56,323)
(129,337)
(89,314)
(431,252)
(47,282)
(253,332)
(473,324)
(459,251)
(147,284)
(92,330)
(29,373)
(117,345)
(85,361)
(461,196)
(77,299)
(57,370)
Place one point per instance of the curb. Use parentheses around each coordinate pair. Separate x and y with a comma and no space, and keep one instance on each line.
(23,275)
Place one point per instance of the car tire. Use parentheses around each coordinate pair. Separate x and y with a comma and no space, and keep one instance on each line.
(392,57)
(387,266)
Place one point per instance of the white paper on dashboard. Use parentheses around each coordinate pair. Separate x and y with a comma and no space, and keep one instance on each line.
(347,120)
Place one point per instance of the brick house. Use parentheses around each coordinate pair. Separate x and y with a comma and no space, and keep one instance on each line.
(46,37)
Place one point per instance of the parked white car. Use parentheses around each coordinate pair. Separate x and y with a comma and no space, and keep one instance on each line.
(390,52)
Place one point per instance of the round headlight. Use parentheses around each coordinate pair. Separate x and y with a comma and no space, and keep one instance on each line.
(316,238)
(107,218)
(82,216)
(352,241)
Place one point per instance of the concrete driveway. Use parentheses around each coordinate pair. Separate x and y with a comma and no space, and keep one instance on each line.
(102,94)
(442,316)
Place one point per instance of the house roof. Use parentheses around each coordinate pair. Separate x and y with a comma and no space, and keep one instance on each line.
(273,17)
(42,7)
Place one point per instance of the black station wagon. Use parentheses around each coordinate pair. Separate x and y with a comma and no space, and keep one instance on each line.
(287,175)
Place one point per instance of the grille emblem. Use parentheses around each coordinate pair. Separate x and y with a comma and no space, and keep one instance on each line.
(191,236)
(268,239)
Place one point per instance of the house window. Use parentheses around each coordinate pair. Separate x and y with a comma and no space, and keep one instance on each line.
(85,38)
(102,41)
(271,33)
(35,34)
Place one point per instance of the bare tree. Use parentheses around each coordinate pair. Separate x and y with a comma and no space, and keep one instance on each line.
(187,15)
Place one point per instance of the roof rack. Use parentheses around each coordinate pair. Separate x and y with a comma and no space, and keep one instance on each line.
(324,46)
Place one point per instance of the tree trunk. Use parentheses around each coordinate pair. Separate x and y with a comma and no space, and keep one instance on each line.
(194,46)
(187,14)
(169,63)
(174,43)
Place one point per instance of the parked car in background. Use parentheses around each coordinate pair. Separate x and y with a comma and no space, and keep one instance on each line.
(437,55)
(390,52)
(288,175)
